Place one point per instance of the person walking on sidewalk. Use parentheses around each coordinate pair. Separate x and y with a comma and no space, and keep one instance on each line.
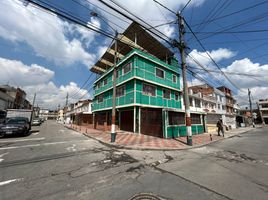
(220,127)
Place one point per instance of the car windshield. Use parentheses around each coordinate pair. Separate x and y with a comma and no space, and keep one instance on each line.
(16,121)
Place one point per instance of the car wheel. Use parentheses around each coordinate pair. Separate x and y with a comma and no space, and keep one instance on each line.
(2,135)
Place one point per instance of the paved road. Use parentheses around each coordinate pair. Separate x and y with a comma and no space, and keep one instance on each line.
(57,163)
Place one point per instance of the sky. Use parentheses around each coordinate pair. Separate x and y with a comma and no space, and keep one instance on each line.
(43,53)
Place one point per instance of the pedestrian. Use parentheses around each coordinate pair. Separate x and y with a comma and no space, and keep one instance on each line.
(220,127)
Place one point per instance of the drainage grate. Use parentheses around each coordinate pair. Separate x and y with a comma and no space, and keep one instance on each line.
(145,196)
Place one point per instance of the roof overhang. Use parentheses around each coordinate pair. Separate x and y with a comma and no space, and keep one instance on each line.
(134,37)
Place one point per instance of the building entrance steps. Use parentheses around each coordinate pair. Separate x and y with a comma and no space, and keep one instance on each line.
(130,140)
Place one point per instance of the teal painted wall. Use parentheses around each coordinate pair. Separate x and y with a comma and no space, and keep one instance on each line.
(144,69)
(158,99)
(179,131)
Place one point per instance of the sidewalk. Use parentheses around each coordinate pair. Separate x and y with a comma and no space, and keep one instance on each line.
(139,141)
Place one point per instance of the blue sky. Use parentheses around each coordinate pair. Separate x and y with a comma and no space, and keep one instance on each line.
(43,53)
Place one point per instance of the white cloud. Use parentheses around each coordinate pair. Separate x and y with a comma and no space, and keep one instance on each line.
(48,95)
(15,72)
(38,79)
(149,11)
(45,33)
(202,57)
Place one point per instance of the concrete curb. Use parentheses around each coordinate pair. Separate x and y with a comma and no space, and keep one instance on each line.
(157,149)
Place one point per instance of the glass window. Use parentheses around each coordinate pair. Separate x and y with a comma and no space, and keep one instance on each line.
(120,91)
(100,98)
(148,90)
(127,68)
(196,119)
(159,73)
(176,118)
(105,81)
(176,96)
(191,101)
(197,103)
(219,106)
(174,78)
(166,94)
(117,73)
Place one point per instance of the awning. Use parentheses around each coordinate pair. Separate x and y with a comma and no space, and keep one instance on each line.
(133,37)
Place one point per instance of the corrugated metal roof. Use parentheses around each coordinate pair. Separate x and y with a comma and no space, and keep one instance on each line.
(126,42)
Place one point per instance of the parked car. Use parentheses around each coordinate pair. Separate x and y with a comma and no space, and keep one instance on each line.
(36,122)
(15,125)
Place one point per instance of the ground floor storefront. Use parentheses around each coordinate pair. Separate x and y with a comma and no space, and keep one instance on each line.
(158,122)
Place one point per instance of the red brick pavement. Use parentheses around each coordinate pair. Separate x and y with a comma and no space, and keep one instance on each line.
(140,141)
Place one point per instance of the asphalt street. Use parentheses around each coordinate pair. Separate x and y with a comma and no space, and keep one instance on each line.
(55,162)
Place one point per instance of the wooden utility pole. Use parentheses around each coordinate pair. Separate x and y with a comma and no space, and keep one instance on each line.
(182,47)
(250,106)
(113,132)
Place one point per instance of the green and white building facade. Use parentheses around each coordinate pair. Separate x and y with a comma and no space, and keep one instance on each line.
(148,97)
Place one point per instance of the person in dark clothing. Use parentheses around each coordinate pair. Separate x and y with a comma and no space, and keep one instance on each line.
(220,127)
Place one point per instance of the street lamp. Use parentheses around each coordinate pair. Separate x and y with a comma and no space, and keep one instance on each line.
(113,132)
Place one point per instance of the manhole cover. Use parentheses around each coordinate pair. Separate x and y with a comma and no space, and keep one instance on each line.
(145,196)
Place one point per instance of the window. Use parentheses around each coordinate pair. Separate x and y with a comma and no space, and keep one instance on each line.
(159,73)
(197,103)
(219,106)
(176,96)
(120,91)
(148,90)
(191,101)
(176,118)
(127,68)
(166,94)
(105,81)
(98,85)
(100,98)
(223,107)
(117,73)
(196,119)
(174,78)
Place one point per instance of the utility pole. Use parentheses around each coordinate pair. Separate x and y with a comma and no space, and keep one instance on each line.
(67,96)
(184,79)
(113,132)
(32,109)
(250,106)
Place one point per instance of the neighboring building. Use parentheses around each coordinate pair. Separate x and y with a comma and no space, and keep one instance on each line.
(6,101)
(230,116)
(148,90)
(69,114)
(83,113)
(209,100)
(263,107)
(19,96)
(44,113)
(60,117)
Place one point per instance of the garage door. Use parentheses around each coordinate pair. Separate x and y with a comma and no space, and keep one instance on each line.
(151,122)
(126,120)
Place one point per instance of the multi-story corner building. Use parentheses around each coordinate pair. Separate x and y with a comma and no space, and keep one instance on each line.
(263,107)
(6,101)
(230,116)
(19,96)
(83,112)
(148,90)
(209,100)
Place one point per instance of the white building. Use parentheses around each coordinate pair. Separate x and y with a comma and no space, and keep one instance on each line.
(263,106)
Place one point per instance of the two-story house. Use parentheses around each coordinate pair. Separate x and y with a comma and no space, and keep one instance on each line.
(148,91)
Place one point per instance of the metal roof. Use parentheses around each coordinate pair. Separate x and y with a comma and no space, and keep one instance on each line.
(133,37)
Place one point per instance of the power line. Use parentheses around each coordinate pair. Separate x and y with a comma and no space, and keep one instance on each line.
(227,32)
(210,55)
(146,28)
(185,6)
(233,13)
(165,7)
